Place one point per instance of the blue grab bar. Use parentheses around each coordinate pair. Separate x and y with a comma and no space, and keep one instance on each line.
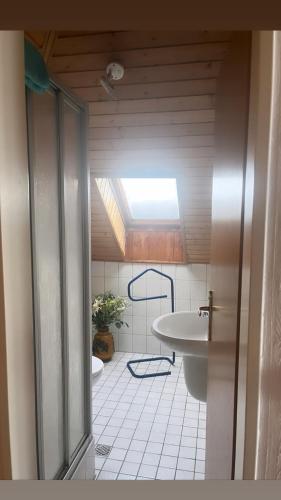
(165,358)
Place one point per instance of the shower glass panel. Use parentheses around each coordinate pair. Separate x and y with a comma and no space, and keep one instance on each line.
(74,272)
(47,284)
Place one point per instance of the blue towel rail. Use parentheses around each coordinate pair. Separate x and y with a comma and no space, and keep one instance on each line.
(159,358)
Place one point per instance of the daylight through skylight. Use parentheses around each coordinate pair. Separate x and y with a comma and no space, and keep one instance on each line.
(154,199)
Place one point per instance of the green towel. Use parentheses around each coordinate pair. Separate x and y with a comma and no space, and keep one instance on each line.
(36,74)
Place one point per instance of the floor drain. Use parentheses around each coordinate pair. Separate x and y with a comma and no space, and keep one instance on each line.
(103,450)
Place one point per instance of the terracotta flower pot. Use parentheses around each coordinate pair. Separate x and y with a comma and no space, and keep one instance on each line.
(103,344)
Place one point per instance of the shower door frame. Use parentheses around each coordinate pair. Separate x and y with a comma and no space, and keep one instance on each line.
(71,462)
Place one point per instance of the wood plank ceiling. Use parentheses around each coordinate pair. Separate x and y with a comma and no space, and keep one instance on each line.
(162,122)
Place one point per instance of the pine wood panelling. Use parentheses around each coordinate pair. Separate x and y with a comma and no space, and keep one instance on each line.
(151,143)
(103,241)
(152,131)
(162,120)
(141,57)
(70,43)
(151,90)
(153,105)
(154,246)
(113,212)
(146,74)
(149,118)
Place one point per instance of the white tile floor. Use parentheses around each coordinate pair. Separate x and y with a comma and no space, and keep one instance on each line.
(156,430)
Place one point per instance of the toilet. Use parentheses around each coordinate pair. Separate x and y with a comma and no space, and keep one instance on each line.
(97,368)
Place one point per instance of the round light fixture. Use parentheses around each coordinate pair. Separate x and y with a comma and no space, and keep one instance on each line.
(115,71)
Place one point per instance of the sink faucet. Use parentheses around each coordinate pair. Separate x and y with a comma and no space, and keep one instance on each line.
(203,311)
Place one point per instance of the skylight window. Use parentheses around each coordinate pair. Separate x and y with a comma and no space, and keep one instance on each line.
(151,199)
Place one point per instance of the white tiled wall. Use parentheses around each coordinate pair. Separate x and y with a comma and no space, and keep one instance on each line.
(191,290)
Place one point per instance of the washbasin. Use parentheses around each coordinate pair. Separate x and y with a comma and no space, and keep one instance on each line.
(184,332)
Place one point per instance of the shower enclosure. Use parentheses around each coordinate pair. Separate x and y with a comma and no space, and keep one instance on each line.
(60,261)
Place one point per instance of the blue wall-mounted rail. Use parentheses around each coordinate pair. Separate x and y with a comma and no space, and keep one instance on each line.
(159,358)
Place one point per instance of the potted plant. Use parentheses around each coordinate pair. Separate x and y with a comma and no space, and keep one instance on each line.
(107,309)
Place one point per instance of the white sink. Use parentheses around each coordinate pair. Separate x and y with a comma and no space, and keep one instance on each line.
(184,332)
(187,333)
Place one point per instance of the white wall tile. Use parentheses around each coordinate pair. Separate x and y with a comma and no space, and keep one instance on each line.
(170,270)
(183,305)
(199,272)
(97,268)
(153,345)
(111,284)
(139,308)
(139,288)
(123,286)
(183,289)
(138,268)
(125,270)
(139,343)
(198,290)
(190,292)
(111,269)
(125,343)
(139,325)
(153,286)
(182,272)
(165,306)
(97,285)
(153,308)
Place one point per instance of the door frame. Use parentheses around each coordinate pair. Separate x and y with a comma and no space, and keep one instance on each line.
(253,257)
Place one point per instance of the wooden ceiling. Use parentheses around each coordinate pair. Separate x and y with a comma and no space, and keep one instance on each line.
(162,123)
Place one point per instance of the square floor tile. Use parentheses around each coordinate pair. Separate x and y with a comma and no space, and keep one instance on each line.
(201,443)
(200,454)
(186,464)
(151,459)
(117,454)
(99,461)
(108,440)
(184,474)
(134,456)
(138,445)
(126,433)
(156,429)
(126,477)
(129,468)
(172,439)
(174,429)
(200,466)
(148,471)
(187,452)
(106,475)
(170,450)
(129,424)
(165,474)
(122,443)
(110,431)
(168,462)
(157,437)
(154,448)
(188,441)
(189,431)
(112,465)
(198,475)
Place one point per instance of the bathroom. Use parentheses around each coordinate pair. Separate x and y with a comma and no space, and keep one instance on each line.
(154,428)
(149,422)
(146,248)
